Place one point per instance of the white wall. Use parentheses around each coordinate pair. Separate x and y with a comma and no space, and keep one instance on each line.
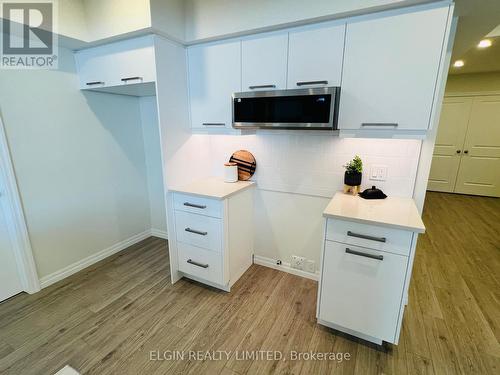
(313,164)
(113,17)
(79,161)
(152,151)
(298,173)
(473,83)
(206,19)
(168,16)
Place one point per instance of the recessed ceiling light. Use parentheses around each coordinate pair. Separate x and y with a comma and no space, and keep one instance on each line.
(458,63)
(485,43)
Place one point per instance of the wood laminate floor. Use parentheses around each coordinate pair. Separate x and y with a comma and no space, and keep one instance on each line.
(109,317)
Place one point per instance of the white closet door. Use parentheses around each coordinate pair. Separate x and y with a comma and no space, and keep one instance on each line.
(479,172)
(449,144)
(10,283)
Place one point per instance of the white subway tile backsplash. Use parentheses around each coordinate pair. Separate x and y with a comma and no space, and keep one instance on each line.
(312,164)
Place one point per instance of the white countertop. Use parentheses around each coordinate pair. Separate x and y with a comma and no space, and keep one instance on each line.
(213,187)
(392,212)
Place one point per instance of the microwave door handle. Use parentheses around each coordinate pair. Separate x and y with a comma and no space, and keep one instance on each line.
(262,87)
(306,83)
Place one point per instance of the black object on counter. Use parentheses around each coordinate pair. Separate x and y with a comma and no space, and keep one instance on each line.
(352,179)
(373,193)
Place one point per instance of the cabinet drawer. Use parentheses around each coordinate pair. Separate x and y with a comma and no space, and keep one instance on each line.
(198,230)
(200,263)
(198,205)
(361,293)
(379,238)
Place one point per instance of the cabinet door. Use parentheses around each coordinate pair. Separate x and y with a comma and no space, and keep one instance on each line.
(264,62)
(390,70)
(361,293)
(134,61)
(315,57)
(93,68)
(449,144)
(214,75)
(479,172)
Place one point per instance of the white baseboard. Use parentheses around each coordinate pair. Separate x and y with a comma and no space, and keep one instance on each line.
(159,233)
(285,267)
(94,258)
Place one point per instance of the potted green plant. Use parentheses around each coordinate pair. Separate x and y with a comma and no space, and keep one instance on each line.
(353,169)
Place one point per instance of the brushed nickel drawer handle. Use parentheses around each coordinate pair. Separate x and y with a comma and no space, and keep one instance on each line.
(130,79)
(262,87)
(361,254)
(393,124)
(195,205)
(95,83)
(214,124)
(197,264)
(305,83)
(196,231)
(366,237)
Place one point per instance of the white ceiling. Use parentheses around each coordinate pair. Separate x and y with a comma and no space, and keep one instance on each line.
(477,19)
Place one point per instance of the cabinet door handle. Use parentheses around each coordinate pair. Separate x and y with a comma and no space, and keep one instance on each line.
(262,87)
(386,124)
(95,83)
(187,204)
(458,151)
(196,231)
(366,255)
(190,261)
(366,237)
(305,83)
(466,151)
(130,79)
(214,124)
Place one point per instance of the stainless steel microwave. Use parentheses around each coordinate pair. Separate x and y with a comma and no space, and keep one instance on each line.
(313,109)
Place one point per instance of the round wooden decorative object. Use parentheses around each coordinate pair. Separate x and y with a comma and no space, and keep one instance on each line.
(246,164)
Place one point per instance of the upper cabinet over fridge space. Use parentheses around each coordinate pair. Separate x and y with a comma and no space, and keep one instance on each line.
(126,67)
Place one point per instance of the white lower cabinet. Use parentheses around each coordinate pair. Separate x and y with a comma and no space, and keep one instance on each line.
(365,273)
(362,289)
(214,237)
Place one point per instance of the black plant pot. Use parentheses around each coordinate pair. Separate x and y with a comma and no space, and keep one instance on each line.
(352,179)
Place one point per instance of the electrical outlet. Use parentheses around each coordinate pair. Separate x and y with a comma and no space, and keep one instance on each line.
(378,172)
(298,262)
(310,266)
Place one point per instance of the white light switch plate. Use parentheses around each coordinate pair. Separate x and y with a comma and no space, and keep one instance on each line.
(378,172)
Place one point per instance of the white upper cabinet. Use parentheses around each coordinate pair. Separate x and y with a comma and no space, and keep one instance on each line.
(315,57)
(390,70)
(264,62)
(126,67)
(214,75)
